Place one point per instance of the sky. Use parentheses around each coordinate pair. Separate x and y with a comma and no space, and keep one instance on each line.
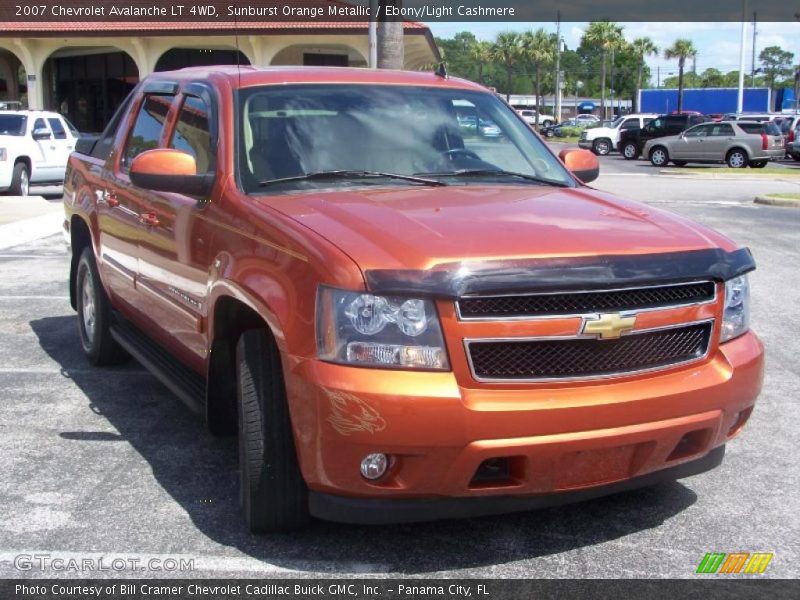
(717,43)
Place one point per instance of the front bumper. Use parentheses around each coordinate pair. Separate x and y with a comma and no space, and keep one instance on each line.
(562,442)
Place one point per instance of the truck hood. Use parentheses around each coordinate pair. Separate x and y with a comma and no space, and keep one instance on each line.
(421,227)
(596,132)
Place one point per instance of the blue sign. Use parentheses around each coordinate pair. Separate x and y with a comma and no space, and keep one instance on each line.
(586,107)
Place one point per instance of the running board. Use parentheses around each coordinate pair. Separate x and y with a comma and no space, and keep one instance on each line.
(180,379)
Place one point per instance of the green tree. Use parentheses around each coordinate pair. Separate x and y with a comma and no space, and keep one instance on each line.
(642,48)
(481,55)
(539,48)
(506,50)
(681,49)
(775,62)
(712,78)
(604,36)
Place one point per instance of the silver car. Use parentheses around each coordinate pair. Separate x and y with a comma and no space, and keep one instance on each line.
(736,143)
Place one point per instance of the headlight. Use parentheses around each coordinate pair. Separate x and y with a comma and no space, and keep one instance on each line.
(736,318)
(379,331)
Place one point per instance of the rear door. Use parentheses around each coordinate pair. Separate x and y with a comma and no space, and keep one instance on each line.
(121,206)
(63,143)
(719,139)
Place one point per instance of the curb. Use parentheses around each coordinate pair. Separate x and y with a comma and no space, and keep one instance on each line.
(32,229)
(777,201)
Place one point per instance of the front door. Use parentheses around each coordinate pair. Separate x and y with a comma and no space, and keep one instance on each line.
(691,145)
(62,144)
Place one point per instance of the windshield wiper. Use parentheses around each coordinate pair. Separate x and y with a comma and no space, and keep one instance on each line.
(351,174)
(490,172)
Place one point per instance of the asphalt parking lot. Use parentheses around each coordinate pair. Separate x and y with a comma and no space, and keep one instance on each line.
(106,462)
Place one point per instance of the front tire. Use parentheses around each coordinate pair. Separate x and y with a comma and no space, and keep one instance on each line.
(630,151)
(659,157)
(546,123)
(601,147)
(20,180)
(273,494)
(737,159)
(94,315)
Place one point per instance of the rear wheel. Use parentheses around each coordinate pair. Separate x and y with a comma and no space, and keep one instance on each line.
(94,315)
(736,159)
(20,180)
(630,151)
(273,494)
(659,157)
(601,147)
(758,164)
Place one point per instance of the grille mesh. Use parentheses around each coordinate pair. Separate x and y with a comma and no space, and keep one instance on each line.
(567,303)
(560,359)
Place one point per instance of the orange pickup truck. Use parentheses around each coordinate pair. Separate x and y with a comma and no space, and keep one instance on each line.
(405,305)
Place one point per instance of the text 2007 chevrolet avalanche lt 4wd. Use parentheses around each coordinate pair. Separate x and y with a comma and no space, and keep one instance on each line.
(402,320)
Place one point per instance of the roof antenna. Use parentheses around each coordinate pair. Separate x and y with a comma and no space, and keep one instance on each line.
(441,70)
(238,52)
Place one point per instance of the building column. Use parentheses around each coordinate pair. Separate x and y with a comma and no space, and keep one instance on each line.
(32,58)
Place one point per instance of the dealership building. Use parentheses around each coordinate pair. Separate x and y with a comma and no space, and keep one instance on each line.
(84,70)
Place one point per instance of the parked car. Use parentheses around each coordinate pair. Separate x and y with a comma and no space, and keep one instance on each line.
(34,148)
(631,141)
(558,130)
(737,143)
(794,148)
(587,119)
(602,140)
(716,117)
(399,322)
(489,129)
(748,116)
(789,129)
(529,115)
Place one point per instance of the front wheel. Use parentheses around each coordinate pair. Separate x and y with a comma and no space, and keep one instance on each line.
(659,157)
(736,159)
(629,151)
(546,123)
(94,315)
(601,147)
(272,492)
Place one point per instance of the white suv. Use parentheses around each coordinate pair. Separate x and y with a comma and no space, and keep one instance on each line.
(34,148)
(602,140)
(529,116)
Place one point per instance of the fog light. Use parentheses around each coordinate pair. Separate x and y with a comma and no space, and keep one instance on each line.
(374,466)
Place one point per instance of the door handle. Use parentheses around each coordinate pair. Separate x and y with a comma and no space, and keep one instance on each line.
(111,199)
(149,219)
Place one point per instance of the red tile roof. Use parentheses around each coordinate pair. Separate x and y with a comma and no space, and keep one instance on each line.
(133,27)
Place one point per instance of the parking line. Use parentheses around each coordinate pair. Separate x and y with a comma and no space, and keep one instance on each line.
(59,298)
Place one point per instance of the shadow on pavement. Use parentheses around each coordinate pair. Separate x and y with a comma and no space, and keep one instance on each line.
(200,473)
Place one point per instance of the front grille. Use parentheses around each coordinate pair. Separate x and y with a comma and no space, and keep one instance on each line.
(577,303)
(588,357)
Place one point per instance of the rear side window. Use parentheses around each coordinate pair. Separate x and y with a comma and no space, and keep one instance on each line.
(192,132)
(58,129)
(13,124)
(146,132)
(771,129)
(754,128)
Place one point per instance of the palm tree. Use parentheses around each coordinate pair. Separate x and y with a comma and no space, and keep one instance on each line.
(681,49)
(605,36)
(481,54)
(642,47)
(391,50)
(539,48)
(506,49)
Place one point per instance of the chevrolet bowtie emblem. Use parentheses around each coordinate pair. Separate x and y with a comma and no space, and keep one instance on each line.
(609,326)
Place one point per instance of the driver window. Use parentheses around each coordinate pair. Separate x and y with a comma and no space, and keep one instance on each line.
(697,132)
(630,124)
(40,124)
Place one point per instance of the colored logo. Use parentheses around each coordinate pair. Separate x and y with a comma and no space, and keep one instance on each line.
(609,326)
(736,562)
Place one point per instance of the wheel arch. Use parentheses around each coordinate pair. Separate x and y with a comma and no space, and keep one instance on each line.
(232,313)
(26,161)
(80,238)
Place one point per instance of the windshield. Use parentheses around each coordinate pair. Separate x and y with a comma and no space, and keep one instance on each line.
(13,124)
(616,122)
(458,137)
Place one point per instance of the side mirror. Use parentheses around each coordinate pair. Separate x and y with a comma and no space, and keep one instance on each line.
(581,163)
(41,134)
(168,170)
